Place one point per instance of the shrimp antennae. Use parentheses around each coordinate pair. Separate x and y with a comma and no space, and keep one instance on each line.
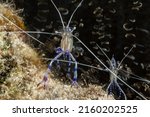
(126,56)
(74,13)
(136,77)
(108,68)
(59,14)
(31,32)
(82,64)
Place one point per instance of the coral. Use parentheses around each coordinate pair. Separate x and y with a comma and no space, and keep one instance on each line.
(21,67)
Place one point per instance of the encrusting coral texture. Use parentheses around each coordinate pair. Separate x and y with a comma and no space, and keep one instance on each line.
(22,68)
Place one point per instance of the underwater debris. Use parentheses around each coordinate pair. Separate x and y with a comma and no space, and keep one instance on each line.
(23,67)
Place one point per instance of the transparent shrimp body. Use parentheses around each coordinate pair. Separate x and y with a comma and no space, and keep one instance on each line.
(65,48)
(67,40)
(113,87)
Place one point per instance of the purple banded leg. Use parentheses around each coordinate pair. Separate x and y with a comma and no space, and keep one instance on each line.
(58,64)
(45,78)
(69,64)
(58,50)
(74,82)
(110,88)
(121,92)
(114,86)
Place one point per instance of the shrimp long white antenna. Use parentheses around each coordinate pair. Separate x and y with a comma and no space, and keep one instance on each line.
(32,32)
(126,56)
(117,85)
(121,60)
(109,69)
(74,13)
(136,76)
(21,29)
(59,14)
(82,64)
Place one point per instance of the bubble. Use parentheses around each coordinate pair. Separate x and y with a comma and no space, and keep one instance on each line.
(106,49)
(99,20)
(63,11)
(81,25)
(113,11)
(98,12)
(148,67)
(73,1)
(99,53)
(111,1)
(101,37)
(128,35)
(126,27)
(137,5)
(96,27)
(76,34)
(74,23)
(90,3)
